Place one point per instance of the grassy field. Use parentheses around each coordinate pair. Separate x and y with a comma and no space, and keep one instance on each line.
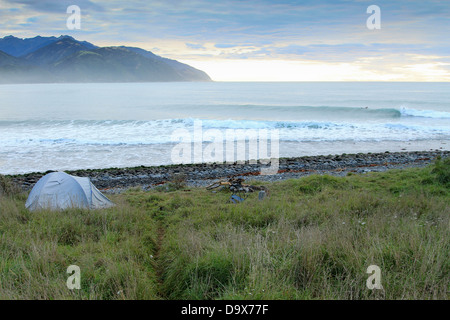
(312,238)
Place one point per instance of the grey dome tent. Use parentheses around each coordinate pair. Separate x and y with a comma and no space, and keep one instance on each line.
(59,190)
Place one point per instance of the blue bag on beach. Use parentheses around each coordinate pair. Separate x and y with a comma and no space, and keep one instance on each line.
(235,199)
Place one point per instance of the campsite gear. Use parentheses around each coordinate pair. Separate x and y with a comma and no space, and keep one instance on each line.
(236,199)
(59,191)
(261,195)
(236,185)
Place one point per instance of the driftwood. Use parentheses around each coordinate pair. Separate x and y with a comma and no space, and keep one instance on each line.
(236,185)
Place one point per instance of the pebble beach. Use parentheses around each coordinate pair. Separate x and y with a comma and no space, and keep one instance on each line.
(117,180)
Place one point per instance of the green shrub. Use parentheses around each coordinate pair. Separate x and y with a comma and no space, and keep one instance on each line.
(8,187)
(177,181)
(317,183)
(442,170)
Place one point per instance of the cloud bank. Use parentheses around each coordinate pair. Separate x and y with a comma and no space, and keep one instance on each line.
(305,36)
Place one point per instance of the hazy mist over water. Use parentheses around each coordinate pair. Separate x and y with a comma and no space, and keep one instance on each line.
(70,126)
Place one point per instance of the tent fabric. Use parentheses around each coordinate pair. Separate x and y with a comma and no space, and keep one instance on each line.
(59,190)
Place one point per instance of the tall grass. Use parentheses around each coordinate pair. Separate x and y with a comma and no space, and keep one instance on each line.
(112,247)
(312,238)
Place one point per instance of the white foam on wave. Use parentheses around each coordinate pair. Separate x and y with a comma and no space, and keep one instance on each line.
(424,113)
(31,146)
(115,133)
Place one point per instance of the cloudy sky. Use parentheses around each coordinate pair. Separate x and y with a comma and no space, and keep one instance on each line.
(260,40)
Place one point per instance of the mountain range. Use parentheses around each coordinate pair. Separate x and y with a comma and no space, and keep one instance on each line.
(65,59)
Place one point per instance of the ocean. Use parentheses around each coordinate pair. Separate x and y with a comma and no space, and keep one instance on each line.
(79,126)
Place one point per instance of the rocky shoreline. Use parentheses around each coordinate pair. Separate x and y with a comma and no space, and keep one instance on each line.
(116,180)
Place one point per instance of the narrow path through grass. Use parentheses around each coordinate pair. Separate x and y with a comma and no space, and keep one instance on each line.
(159,269)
